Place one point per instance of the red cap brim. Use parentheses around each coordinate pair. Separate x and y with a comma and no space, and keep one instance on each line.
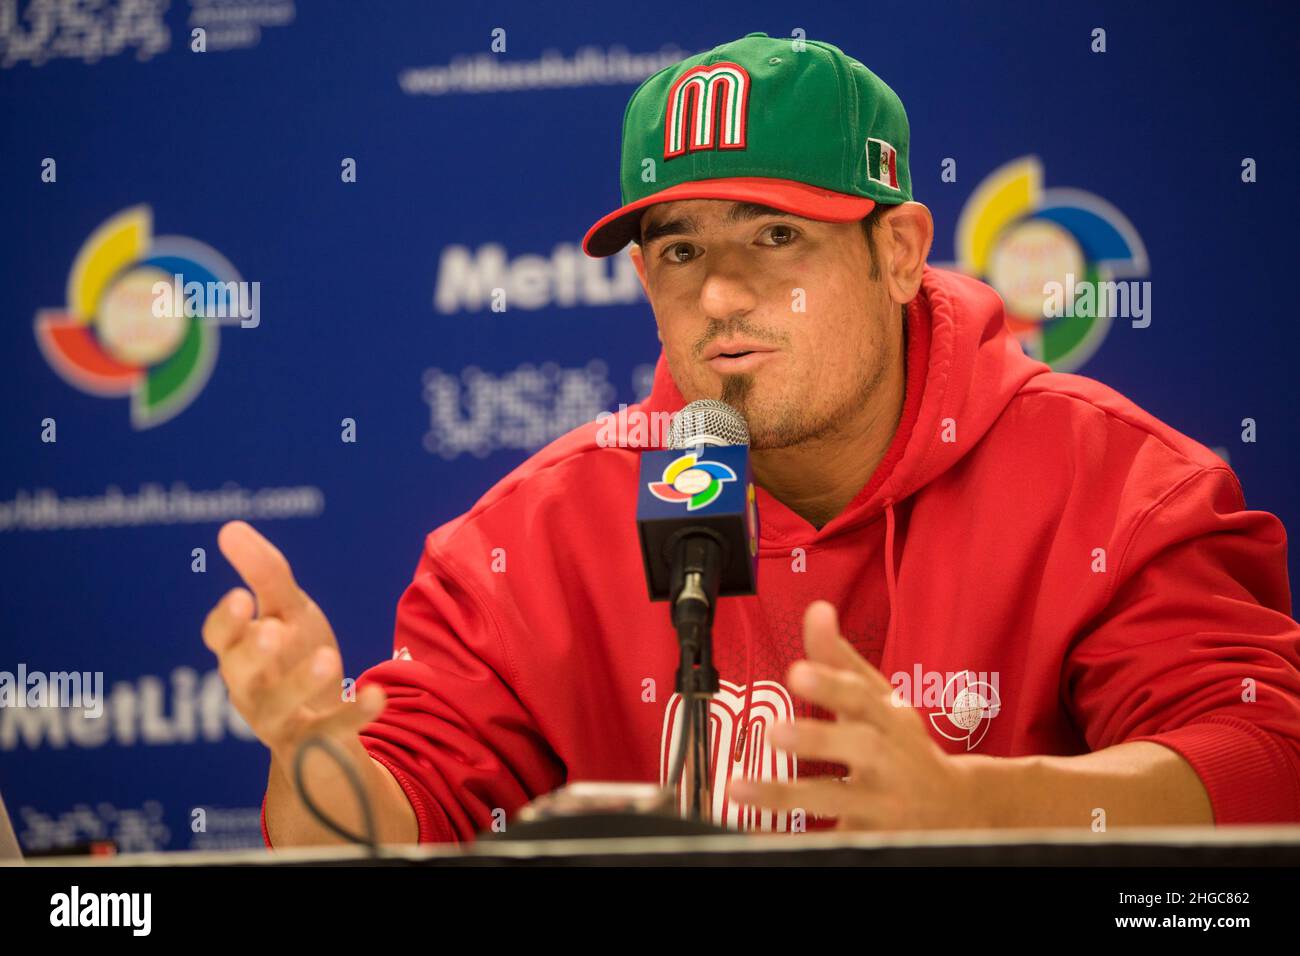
(613,232)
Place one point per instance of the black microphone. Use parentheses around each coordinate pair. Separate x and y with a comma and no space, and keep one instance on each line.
(699,491)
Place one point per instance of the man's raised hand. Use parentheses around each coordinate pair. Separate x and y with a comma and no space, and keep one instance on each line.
(277,652)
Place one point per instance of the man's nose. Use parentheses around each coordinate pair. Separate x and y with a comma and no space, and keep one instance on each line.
(728,289)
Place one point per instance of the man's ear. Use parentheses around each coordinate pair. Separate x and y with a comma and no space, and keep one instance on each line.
(903,239)
(638,261)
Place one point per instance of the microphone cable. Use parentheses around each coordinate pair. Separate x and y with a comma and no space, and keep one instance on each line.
(369,840)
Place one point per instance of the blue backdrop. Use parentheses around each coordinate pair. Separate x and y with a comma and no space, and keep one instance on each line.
(477,169)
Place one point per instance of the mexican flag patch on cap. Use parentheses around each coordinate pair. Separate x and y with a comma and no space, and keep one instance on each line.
(882,163)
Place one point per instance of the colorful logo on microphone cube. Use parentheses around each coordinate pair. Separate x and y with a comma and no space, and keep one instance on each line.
(692,480)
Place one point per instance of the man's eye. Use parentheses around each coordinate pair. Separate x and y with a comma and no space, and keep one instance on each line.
(679,252)
(780,235)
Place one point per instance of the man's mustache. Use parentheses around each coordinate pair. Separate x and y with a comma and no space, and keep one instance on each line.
(772,338)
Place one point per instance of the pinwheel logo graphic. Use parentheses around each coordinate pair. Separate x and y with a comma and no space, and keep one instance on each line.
(109,341)
(1017,236)
(698,483)
(974,704)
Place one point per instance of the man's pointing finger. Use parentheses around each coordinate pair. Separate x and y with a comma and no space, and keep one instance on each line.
(264,569)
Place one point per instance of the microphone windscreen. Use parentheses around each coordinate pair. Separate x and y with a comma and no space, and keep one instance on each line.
(707,422)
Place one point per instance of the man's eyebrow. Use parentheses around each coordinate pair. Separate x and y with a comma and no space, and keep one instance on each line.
(680,226)
(744,211)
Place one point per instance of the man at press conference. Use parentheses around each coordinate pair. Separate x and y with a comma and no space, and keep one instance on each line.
(935,507)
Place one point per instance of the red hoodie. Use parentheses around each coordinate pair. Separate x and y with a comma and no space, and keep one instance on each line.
(1038,565)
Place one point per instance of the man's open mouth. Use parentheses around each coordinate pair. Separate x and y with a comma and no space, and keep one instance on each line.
(734,349)
(734,360)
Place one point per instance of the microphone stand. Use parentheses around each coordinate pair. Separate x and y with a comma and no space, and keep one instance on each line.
(697,568)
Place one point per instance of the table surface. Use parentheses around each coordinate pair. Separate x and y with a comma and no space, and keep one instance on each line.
(1151,846)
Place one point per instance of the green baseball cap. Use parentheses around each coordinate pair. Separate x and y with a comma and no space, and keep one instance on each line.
(789,123)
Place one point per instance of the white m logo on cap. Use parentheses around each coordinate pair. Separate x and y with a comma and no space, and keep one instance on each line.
(695,102)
